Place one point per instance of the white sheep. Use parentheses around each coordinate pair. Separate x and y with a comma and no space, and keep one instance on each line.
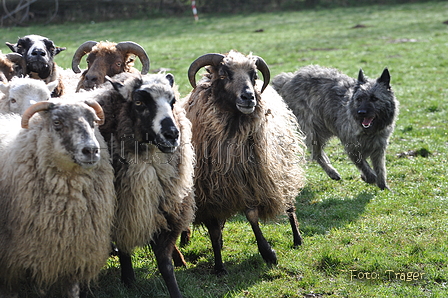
(21,93)
(57,198)
(248,148)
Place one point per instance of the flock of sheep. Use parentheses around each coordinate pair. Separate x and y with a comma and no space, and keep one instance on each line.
(116,159)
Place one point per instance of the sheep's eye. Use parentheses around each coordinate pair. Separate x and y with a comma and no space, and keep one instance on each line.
(57,123)
(13,100)
(119,64)
(138,103)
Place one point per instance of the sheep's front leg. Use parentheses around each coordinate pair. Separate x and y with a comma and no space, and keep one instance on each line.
(127,272)
(75,290)
(163,246)
(297,238)
(215,227)
(265,249)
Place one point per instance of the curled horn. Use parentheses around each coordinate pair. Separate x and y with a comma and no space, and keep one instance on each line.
(37,107)
(264,69)
(80,52)
(98,110)
(17,59)
(136,49)
(204,60)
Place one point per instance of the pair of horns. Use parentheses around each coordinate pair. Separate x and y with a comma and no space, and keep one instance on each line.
(125,46)
(45,105)
(215,59)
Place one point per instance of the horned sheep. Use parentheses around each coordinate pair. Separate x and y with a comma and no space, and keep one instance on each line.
(149,139)
(56,198)
(11,65)
(38,53)
(21,93)
(248,148)
(107,59)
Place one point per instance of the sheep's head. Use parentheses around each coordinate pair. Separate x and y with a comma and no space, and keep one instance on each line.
(11,65)
(107,59)
(71,126)
(233,76)
(20,93)
(38,52)
(149,103)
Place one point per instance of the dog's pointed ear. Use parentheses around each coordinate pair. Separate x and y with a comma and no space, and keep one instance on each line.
(385,78)
(361,77)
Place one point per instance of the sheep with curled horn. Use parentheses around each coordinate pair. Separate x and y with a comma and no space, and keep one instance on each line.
(56,199)
(107,59)
(248,146)
(149,139)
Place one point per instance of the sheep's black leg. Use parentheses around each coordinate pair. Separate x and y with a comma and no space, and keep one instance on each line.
(215,227)
(265,249)
(163,246)
(294,226)
(127,272)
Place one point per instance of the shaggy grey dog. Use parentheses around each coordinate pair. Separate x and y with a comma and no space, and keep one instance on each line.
(361,113)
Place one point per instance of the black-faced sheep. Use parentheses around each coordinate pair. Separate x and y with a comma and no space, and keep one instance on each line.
(149,139)
(248,148)
(107,59)
(21,93)
(57,198)
(11,65)
(39,52)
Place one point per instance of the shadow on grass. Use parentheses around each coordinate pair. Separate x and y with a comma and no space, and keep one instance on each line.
(318,216)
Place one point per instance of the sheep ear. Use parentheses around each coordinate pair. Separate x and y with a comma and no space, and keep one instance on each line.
(57,50)
(170,78)
(116,84)
(12,46)
(361,77)
(52,85)
(3,88)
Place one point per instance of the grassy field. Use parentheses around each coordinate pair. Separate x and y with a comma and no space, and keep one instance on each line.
(358,241)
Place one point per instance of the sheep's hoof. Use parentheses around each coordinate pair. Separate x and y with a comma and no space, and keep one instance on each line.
(270,257)
(221,271)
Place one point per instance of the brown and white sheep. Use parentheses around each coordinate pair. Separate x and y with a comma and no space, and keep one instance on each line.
(11,65)
(38,53)
(248,148)
(107,59)
(149,139)
(56,198)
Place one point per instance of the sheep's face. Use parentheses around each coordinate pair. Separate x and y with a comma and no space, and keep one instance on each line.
(237,78)
(152,108)
(102,64)
(72,127)
(38,52)
(24,92)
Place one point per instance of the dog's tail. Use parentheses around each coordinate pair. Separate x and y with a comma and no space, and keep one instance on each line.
(280,80)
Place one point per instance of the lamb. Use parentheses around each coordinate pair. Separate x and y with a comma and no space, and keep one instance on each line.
(149,140)
(21,93)
(11,65)
(248,146)
(107,58)
(38,53)
(56,198)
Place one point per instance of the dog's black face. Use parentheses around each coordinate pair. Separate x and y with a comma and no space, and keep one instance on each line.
(373,104)
(38,52)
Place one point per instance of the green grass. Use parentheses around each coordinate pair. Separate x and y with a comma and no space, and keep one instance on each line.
(351,230)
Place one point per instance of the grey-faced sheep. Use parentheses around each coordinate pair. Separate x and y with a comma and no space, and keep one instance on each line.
(21,93)
(56,198)
(248,148)
(38,53)
(11,65)
(149,139)
(107,59)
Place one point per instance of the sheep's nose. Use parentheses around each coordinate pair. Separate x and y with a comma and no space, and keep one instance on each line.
(171,134)
(362,112)
(92,153)
(247,95)
(38,52)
